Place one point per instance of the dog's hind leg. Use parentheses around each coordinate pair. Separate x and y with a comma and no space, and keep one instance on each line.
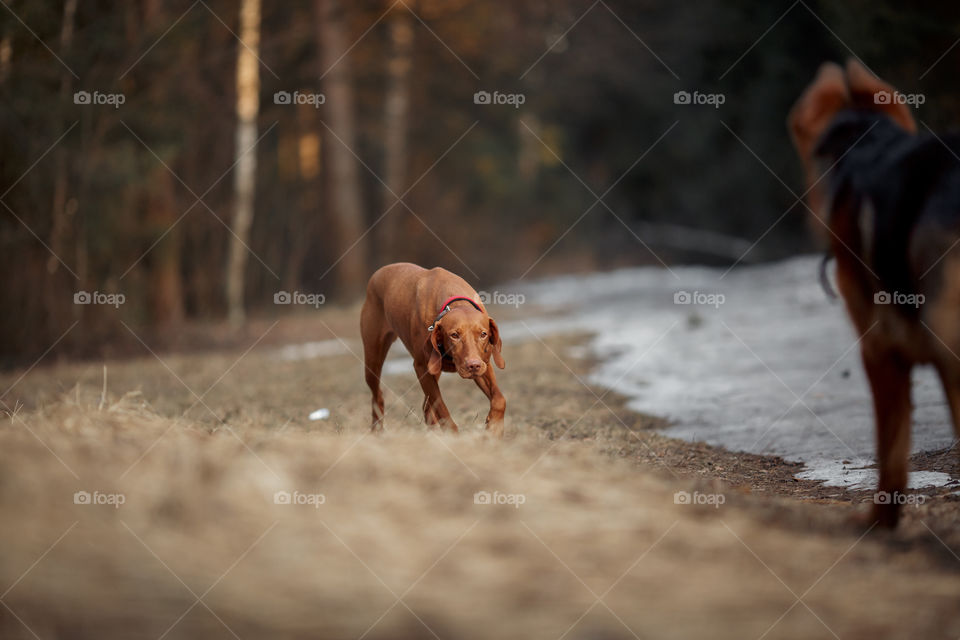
(889,376)
(376,344)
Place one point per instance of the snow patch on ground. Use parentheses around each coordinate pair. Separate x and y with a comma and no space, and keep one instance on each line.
(310,350)
(755,360)
(398,366)
(852,475)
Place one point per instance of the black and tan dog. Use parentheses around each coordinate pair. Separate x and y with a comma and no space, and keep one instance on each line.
(889,207)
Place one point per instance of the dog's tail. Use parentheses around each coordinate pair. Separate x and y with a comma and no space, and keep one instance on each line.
(825,283)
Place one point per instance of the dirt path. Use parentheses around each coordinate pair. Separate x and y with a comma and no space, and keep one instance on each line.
(598,548)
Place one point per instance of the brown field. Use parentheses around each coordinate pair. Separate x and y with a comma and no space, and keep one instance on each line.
(198,444)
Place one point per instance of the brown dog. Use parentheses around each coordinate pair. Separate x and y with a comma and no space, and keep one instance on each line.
(890,210)
(440,320)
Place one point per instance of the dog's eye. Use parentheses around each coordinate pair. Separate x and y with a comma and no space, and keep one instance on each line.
(455,335)
(483,334)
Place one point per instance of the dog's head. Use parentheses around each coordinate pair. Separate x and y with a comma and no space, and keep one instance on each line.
(469,338)
(835,91)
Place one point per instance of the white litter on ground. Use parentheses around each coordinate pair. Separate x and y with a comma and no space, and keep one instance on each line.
(320,414)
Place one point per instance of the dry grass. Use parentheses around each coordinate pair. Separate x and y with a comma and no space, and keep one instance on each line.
(399,548)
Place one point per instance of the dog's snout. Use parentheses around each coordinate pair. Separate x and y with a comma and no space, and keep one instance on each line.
(473,366)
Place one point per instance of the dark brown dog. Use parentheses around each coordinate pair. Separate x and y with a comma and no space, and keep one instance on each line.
(890,210)
(440,320)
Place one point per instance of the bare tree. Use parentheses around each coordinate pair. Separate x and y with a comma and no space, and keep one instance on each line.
(309,159)
(395,121)
(165,296)
(156,199)
(61,179)
(344,179)
(244,183)
(59,227)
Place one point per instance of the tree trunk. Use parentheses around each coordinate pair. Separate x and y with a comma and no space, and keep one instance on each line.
(6,55)
(166,287)
(308,186)
(344,179)
(395,119)
(60,181)
(59,217)
(244,183)
(157,199)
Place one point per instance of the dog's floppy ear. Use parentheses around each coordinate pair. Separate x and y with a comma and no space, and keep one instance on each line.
(870,92)
(814,111)
(435,345)
(495,343)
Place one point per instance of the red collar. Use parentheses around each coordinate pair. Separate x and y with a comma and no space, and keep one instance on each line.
(445,309)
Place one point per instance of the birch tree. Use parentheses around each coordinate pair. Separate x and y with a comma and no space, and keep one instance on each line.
(244,183)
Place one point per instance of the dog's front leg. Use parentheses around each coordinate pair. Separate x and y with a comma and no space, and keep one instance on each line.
(435,412)
(498,404)
(889,376)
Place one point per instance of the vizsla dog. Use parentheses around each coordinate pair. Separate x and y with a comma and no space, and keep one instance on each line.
(440,320)
(889,206)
